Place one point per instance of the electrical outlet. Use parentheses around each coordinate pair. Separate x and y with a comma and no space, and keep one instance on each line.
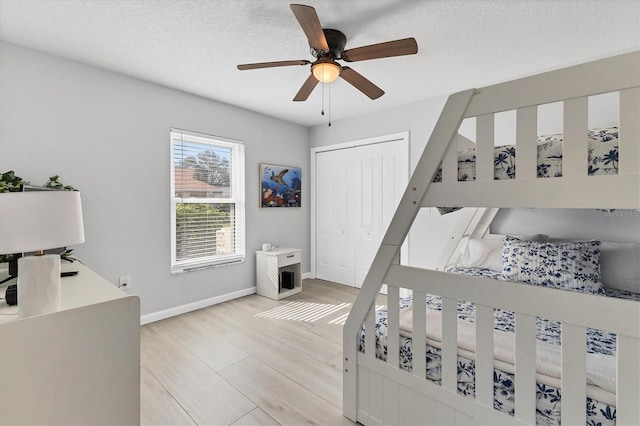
(125,282)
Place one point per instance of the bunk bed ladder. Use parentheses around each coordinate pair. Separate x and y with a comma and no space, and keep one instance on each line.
(444,133)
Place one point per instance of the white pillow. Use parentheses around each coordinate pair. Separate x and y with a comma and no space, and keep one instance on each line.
(485,254)
(620,266)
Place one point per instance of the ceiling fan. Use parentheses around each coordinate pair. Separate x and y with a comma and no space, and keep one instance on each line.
(327,46)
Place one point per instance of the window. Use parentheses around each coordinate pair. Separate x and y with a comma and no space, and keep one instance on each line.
(207,201)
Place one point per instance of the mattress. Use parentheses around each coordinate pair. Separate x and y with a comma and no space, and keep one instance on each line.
(600,404)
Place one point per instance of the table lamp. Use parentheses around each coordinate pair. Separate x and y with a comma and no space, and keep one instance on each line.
(37,221)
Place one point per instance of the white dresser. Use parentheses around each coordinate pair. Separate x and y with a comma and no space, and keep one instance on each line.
(79,365)
(278,272)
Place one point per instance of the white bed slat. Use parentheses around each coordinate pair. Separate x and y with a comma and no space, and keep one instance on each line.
(575,147)
(628,381)
(484,355)
(526,146)
(425,412)
(629,142)
(574,383)
(525,368)
(370,333)
(376,396)
(592,78)
(393,326)
(419,336)
(449,344)
(363,389)
(485,130)
(450,163)
(391,402)
(614,191)
(408,409)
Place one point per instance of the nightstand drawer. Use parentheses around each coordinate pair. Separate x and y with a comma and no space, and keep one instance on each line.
(288,259)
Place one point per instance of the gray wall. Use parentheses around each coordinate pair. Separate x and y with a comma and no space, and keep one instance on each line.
(108,135)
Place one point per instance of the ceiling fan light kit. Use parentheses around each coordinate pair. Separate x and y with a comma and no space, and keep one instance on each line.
(326,71)
(327,46)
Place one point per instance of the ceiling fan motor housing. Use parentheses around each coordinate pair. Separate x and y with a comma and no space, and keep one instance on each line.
(336,40)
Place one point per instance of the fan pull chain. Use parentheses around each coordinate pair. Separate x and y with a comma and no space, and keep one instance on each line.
(329,106)
(322,112)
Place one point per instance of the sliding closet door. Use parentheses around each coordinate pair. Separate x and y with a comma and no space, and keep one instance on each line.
(357,192)
(334,221)
(382,179)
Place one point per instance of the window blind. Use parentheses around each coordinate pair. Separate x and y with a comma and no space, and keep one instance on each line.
(207,201)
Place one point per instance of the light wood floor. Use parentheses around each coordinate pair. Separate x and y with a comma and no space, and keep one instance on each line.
(224,365)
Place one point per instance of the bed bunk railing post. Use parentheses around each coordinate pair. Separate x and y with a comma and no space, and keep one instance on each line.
(629,146)
(484,355)
(574,366)
(575,147)
(627,380)
(526,137)
(525,368)
(444,132)
(485,141)
(449,344)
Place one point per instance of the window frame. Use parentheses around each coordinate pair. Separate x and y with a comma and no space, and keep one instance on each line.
(237,199)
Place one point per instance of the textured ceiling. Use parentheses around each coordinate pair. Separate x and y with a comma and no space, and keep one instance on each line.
(195,45)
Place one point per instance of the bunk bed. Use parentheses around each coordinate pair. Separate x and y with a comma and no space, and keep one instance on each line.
(494,327)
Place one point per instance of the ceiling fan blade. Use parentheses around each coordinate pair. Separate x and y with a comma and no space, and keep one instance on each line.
(405,46)
(272,64)
(306,89)
(308,20)
(361,83)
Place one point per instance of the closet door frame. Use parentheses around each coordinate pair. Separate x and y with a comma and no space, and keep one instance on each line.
(404,136)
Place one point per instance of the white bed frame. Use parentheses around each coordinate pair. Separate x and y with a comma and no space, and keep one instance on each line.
(379,392)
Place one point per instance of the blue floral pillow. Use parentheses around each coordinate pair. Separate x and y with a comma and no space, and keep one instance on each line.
(573,266)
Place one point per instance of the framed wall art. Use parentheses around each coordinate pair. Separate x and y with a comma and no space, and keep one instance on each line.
(280,186)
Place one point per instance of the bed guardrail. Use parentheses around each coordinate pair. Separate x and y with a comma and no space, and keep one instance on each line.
(576,311)
(572,86)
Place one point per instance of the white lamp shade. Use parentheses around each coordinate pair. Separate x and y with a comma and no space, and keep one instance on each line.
(40,220)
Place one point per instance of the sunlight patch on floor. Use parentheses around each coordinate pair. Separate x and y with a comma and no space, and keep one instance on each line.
(303,311)
(343,318)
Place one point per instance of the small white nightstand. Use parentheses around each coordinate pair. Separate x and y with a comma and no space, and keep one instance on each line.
(278,269)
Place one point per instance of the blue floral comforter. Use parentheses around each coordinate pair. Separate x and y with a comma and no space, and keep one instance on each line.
(548,397)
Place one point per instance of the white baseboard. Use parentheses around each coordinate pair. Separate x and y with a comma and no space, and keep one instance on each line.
(182,309)
(306,275)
